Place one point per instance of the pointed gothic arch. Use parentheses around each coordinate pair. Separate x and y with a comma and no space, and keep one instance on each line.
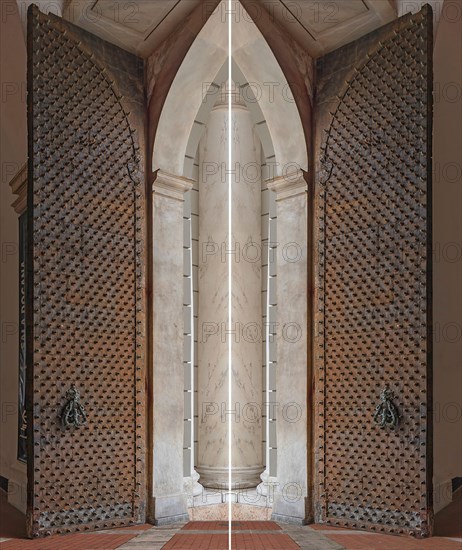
(270,96)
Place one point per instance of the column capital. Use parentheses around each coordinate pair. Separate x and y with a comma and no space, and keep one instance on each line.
(171,186)
(289,185)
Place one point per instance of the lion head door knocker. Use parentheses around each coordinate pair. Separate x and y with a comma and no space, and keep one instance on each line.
(386,413)
(73,413)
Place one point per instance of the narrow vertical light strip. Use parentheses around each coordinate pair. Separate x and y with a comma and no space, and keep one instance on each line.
(193,335)
(267,348)
(230,271)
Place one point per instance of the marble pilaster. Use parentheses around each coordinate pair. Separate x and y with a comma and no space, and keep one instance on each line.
(291,490)
(168,503)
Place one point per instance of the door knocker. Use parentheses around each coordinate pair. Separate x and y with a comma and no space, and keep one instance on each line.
(386,413)
(73,413)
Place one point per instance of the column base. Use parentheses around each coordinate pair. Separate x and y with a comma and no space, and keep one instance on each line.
(168,509)
(241,478)
(191,485)
(267,486)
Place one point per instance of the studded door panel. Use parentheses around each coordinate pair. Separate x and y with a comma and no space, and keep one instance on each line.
(86,283)
(372,303)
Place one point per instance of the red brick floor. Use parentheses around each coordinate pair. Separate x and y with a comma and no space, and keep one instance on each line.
(356,540)
(84,541)
(257,536)
(246,535)
(235,526)
(447,531)
(100,540)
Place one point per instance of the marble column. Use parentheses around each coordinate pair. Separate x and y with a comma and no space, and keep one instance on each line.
(243,250)
(169,502)
(291,490)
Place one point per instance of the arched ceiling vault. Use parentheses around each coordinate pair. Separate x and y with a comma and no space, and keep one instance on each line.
(163,32)
(319,26)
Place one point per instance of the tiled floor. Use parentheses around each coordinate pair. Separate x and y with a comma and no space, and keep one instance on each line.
(447,531)
(354,540)
(84,541)
(247,535)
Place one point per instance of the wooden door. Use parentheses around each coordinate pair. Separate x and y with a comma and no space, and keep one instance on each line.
(372,307)
(86,303)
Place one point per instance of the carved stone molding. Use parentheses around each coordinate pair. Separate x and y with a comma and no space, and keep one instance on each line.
(171,186)
(19,187)
(289,185)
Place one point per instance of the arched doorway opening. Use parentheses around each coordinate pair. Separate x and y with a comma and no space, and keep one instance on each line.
(280,158)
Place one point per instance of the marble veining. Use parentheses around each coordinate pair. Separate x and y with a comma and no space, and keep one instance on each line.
(214,257)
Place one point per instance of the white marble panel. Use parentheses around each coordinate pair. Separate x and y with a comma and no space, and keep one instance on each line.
(291,372)
(168,352)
